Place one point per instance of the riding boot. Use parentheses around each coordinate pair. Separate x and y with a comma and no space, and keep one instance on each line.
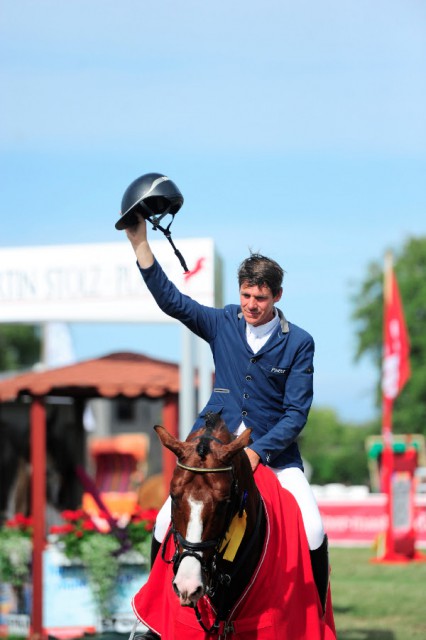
(320,570)
(155,548)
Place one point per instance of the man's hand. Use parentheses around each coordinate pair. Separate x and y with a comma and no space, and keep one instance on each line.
(254,458)
(137,233)
(137,236)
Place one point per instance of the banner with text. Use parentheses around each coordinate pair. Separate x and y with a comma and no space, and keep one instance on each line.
(99,282)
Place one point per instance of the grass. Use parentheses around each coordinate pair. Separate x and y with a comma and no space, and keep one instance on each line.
(377,601)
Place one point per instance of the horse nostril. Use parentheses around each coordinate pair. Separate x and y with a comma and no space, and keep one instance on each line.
(196,595)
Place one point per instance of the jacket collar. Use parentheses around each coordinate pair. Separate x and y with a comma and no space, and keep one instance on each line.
(283,322)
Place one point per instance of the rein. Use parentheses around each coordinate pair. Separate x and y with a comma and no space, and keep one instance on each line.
(226,578)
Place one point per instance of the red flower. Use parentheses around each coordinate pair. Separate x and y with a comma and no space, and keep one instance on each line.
(144,515)
(19,521)
(103,515)
(73,516)
(11,524)
(62,529)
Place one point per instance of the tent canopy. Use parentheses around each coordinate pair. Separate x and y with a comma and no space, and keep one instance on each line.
(117,374)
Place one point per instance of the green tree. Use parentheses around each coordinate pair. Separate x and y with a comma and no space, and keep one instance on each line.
(335,450)
(409,415)
(19,346)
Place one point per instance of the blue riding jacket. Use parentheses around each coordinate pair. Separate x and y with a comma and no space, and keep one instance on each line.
(270,391)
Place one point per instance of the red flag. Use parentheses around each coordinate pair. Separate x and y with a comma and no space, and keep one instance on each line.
(396,371)
(396,355)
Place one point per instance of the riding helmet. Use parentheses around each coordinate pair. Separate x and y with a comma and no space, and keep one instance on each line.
(153,194)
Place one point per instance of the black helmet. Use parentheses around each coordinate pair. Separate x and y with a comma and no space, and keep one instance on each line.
(153,194)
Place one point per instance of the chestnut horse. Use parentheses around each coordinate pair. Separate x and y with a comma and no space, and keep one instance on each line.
(218,520)
(236,550)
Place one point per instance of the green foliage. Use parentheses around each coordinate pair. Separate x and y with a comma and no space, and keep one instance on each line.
(19,346)
(99,550)
(335,450)
(99,556)
(139,531)
(409,415)
(15,551)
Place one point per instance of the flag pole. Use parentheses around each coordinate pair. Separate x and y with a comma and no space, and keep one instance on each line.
(387,409)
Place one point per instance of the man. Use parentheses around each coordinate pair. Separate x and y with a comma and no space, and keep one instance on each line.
(263,377)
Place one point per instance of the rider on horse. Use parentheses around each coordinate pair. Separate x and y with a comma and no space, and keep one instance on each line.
(263,377)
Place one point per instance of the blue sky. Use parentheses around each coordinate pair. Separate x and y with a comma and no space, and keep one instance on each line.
(294,129)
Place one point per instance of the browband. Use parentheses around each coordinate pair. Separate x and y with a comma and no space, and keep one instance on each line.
(203,469)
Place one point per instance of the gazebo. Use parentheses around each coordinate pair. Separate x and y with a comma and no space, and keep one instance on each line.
(127,375)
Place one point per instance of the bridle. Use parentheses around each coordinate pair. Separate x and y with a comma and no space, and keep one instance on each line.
(194,549)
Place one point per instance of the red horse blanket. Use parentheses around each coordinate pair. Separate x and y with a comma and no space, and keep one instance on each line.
(280,602)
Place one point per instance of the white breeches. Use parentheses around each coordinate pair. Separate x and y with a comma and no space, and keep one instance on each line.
(292,479)
(163,520)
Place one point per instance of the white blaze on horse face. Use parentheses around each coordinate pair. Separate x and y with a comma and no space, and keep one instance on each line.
(188,579)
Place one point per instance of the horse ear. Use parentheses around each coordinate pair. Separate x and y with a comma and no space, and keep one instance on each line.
(228,451)
(169,441)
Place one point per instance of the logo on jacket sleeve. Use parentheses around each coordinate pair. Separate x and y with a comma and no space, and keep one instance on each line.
(277,370)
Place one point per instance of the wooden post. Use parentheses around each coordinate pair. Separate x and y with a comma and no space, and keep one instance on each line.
(38,509)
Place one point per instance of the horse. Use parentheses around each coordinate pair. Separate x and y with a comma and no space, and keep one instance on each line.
(212,490)
(220,545)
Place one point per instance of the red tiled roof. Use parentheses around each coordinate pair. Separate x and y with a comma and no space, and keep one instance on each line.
(127,374)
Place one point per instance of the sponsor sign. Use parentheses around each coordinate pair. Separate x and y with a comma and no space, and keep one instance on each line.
(98,282)
(361,522)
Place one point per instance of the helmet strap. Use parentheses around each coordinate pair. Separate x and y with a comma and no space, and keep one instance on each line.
(155,221)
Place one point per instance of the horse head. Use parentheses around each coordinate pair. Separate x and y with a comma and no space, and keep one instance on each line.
(215,505)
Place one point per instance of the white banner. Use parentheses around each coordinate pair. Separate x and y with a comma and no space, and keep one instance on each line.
(98,282)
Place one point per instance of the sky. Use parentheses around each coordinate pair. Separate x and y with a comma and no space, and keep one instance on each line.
(294,129)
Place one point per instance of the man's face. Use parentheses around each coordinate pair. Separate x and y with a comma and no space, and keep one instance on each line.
(257,304)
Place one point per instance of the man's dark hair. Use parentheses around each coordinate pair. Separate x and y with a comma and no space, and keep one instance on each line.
(259,271)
